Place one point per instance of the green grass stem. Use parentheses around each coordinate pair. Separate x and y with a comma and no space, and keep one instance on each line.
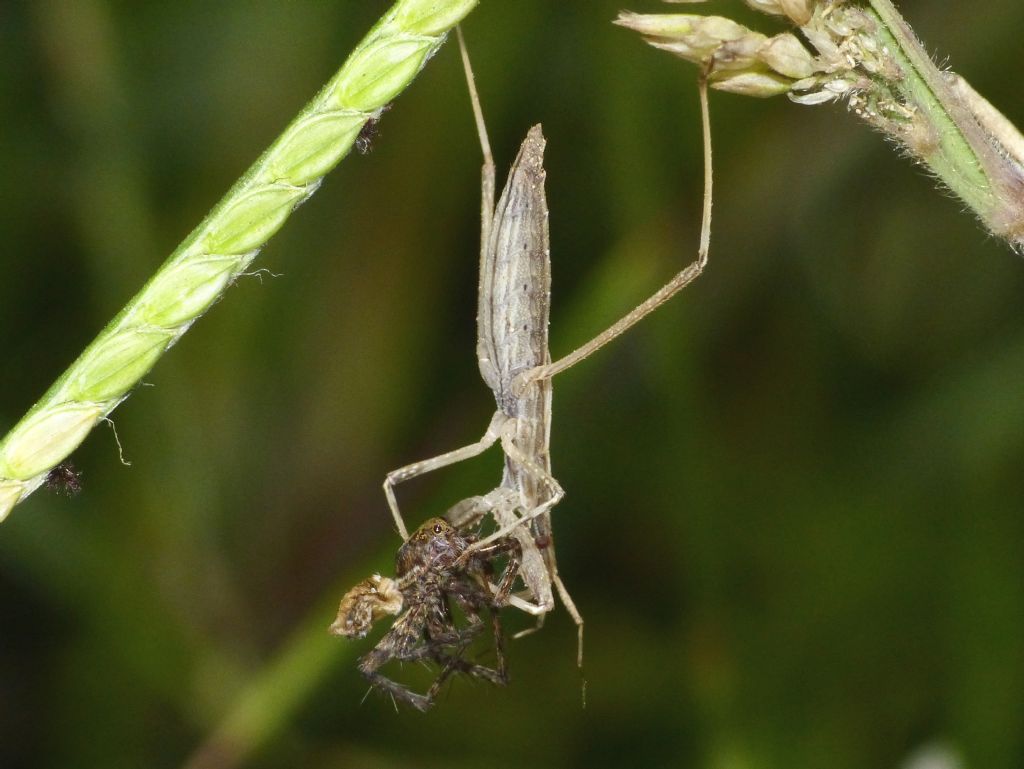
(960,143)
(223,246)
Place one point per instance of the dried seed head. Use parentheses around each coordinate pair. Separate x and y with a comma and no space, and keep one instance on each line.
(840,57)
(766,6)
(752,83)
(867,55)
(799,11)
(364,604)
(737,59)
(787,56)
(11,493)
(689,36)
(739,54)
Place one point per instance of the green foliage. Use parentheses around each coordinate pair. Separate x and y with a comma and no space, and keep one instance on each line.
(793,503)
(223,246)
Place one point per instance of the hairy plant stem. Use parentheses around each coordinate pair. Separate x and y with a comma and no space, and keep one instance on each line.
(224,245)
(969,145)
(866,53)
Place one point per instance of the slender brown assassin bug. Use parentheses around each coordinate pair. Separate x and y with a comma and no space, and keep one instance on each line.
(514,361)
(432,569)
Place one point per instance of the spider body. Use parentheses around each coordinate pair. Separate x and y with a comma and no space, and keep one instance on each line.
(432,570)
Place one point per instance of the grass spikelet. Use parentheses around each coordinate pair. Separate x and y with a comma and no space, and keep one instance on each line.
(224,245)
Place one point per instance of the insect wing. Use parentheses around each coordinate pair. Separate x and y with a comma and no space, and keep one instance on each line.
(515,277)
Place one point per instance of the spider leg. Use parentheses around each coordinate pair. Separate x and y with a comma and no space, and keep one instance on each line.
(478,564)
(499,600)
(473,597)
(437,646)
(445,644)
(498,677)
(512,546)
(426,632)
(455,664)
(501,669)
(399,643)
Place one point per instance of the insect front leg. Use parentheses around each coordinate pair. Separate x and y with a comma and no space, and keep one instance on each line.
(395,477)
(470,511)
(530,467)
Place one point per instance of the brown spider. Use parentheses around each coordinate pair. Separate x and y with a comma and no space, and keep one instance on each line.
(431,570)
(369,132)
(65,479)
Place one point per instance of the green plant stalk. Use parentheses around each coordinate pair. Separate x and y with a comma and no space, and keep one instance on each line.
(224,245)
(959,146)
(275,692)
(952,157)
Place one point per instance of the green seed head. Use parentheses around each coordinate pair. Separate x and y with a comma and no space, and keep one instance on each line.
(45,439)
(109,369)
(311,147)
(183,292)
(430,17)
(10,495)
(224,245)
(379,72)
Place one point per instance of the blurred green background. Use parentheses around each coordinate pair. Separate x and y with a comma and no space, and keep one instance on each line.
(794,502)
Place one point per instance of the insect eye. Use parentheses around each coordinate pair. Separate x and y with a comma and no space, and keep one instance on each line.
(437,528)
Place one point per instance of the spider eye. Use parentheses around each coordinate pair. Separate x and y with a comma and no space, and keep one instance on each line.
(437,528)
